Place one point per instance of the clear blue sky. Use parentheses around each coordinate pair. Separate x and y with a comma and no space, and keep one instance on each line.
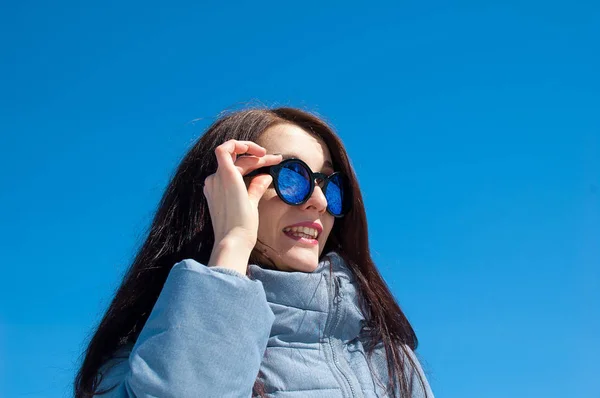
(474,129)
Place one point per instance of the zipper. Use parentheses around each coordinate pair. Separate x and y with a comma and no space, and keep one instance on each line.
(336,299)
(338,293)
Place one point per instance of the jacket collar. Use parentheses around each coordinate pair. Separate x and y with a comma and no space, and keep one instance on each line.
(305,304)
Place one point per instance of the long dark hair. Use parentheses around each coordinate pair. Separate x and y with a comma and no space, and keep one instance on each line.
(182,229)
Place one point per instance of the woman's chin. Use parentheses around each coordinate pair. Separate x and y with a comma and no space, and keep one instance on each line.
(301,261)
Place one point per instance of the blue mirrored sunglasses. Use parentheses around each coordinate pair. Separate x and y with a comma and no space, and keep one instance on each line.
(294,183)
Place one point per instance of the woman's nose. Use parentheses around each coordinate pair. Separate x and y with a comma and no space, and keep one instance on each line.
(317,199)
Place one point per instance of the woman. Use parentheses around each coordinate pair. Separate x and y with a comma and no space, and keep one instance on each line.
(256,279)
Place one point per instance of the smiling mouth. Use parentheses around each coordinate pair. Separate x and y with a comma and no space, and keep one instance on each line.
(301,236)
(302,232)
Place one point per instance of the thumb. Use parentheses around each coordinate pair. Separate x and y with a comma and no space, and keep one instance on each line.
(257,188)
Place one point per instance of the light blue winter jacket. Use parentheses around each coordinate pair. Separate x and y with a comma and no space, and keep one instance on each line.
(213,329)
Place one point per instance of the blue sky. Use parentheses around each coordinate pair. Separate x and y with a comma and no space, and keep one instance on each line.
(473,127)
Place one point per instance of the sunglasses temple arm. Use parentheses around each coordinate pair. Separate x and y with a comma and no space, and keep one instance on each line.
(262,170)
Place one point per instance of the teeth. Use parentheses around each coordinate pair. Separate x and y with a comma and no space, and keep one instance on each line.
(310,232)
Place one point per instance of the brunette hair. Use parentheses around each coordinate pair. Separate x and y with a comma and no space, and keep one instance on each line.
(182,229)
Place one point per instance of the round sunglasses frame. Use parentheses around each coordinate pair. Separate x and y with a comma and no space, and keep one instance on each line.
(274,172)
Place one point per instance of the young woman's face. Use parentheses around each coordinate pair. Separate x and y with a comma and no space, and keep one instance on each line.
(283,247)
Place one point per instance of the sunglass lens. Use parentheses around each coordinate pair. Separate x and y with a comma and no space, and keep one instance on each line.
(335,195)
(294,183)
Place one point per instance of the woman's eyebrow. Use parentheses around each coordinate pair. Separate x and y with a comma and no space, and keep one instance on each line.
(326,164)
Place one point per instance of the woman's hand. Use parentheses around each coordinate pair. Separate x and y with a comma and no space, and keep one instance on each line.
(233,207)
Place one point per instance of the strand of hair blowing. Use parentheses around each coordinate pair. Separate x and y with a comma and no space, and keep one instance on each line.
(182,228)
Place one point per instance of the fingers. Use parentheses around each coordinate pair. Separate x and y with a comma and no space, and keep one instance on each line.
(232,168)
(227,152)
(258,187)
(246,164)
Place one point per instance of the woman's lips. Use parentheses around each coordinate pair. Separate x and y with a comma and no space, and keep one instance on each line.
(300,239)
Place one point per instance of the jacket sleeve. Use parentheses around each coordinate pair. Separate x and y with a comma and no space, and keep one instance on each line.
(206,336)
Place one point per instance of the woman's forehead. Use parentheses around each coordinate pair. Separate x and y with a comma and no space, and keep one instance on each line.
(293,141)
